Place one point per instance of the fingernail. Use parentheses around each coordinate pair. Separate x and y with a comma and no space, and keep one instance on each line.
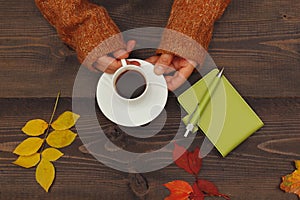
(131,45)
(158,70)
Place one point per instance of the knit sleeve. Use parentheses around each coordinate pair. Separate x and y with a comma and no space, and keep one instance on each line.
(195,19)
(82,25)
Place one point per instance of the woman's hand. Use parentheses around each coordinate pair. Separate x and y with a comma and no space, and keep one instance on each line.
(110,64)
(167,63)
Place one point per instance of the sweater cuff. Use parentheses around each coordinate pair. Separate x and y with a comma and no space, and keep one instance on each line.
(179,44)
(97,36)
(83,26)
(195,19)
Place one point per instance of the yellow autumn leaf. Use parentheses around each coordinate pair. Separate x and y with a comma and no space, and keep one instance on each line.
(52,154)
(45,173)
(35,127)
(28,161)
(60,139)
(29,146)
(65,121)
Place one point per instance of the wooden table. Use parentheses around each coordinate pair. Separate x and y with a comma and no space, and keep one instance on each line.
(258,43)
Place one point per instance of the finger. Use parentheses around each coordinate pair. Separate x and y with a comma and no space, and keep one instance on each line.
(152,59)
(191,62)
(93,68)
(130,45)
(108,64)
(163,63)
(173,82)
(101,68)
(179,63)
(188,62)
(169,69)
(179,77)
(121,54)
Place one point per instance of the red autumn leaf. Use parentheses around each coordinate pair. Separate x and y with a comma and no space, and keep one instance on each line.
(197,193)
(210,189)
(189,161)
(180,156)
(194,161)
(179,190)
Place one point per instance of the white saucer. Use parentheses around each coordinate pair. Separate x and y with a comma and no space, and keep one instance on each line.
(133,113)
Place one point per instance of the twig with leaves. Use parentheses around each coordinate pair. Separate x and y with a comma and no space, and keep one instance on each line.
(32,150)
(191,163)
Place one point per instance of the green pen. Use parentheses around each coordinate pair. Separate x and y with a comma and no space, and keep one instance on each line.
(195,115)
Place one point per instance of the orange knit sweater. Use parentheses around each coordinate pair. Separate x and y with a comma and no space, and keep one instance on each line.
(76,21)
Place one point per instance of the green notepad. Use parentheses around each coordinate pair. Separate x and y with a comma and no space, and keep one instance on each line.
(227,119)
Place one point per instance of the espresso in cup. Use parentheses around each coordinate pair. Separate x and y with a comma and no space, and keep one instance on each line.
(130,84)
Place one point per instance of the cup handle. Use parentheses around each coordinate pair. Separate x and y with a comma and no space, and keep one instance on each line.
(124,63)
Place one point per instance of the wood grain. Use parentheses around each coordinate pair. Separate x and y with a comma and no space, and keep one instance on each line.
(257,42)
(251,171)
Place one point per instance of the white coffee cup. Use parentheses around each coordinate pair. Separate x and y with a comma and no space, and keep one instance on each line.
(130,82)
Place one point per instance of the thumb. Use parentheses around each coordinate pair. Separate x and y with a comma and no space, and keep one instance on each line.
(130,45)
(163,64)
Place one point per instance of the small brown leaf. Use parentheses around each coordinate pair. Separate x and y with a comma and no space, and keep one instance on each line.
(45,173)
(65,121)
(60,139)
(29,146)
(28,161)
(52,154)
(291,182)
(35,127)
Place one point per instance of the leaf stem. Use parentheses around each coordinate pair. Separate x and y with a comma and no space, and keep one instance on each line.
(51,119)
(54,110)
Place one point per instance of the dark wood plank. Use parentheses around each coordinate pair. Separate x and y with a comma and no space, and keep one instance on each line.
(252,171)
(257,41)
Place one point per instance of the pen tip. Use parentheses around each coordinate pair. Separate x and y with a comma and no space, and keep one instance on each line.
(220,73)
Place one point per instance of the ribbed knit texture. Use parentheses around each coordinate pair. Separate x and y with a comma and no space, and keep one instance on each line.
(82,25)
(195,19)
